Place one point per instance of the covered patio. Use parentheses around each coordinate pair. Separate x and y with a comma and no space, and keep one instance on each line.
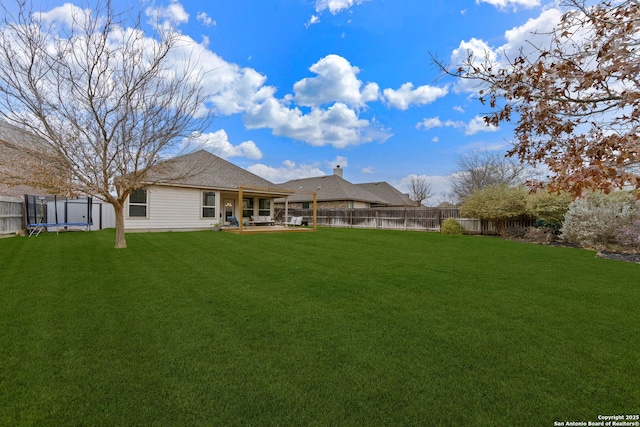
(246,227)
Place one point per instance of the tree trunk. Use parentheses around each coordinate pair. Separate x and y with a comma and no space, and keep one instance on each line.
(121,242)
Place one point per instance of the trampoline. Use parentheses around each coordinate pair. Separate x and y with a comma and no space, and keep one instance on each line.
(37,219)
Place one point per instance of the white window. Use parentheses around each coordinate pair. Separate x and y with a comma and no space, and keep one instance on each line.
(247,208)
(208,204)
(264,207)
(138,203)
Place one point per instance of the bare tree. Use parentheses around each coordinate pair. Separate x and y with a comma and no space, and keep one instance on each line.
(419,189)
(482,169)
(105,101)
(575,99)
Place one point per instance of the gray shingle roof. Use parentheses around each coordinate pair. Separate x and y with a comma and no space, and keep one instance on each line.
(205,170)
(391,195)
(328,188)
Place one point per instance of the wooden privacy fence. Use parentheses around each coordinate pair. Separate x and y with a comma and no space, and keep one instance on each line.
(418,219)
(10,215)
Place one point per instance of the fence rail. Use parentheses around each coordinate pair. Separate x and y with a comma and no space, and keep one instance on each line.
(417,219)
(10,215)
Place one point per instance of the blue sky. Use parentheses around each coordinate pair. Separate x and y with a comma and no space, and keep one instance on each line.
(299,86)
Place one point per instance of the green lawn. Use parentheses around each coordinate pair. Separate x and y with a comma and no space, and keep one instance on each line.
(338,327)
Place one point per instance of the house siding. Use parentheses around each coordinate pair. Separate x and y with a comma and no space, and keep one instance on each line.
(173,208)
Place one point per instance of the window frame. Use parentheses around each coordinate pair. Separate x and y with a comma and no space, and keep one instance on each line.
(208,207)
(262,211)
(248,205)
(134,203)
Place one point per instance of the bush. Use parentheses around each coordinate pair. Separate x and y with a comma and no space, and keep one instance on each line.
(552,227)
(513,232)
(629,235)
(541,234)
(451,226)
(599,220)
(496,203)
(549,207)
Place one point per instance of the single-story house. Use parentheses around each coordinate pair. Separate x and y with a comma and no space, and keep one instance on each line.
(334,192)
(200,190)
(391,196)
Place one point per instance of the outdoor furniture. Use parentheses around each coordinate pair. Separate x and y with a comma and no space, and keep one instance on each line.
(261,220)
(296,221)
(233,221)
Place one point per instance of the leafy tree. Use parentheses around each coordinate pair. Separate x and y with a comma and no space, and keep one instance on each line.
(496,203)
(548,206)
(102,102)
(576,100)
(481,169)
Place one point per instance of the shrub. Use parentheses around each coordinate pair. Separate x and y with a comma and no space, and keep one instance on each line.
(598,220)
(451,226)
(496,203)
(541,234)
(513,232)
(629,235)
(552,227)
(549,207)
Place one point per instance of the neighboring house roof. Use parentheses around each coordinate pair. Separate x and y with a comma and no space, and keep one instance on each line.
(205,170)
(391,195)
(328,188)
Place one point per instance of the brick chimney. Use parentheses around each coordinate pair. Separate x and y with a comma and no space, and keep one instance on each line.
(337,171)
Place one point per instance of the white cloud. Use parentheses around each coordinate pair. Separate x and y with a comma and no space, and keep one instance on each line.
(534,32)
(336,81)
(66,15)
(205,19)
(519,40)
(174,14)
(312,21)
(483,146)
(336,6)
(218,143)
(368,170)
(503,4)
(236,90)
(339,161)
(231,89)
(477,124)
(478,49)
(334,96)
(287,171)
(435,122)
(338,125)
(407,95)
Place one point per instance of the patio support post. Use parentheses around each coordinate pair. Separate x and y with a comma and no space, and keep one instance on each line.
(286,208)
(315,207)
(240,208)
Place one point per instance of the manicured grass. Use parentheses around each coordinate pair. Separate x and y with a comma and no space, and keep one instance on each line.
(338,327)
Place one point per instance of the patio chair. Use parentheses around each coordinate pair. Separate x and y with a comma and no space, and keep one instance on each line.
(296,221)
(234,221)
